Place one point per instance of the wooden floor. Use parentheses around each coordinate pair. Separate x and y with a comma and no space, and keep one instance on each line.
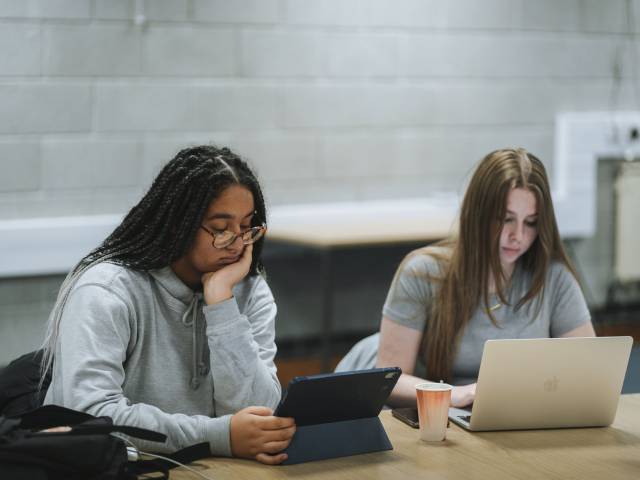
(615,329)
(292,367)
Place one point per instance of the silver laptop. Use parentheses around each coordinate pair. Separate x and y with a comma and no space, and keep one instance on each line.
(547,383)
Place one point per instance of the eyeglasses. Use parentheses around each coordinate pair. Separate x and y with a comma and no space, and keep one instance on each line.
(226,238)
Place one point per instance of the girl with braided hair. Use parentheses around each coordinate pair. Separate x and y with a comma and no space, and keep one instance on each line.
(169,324)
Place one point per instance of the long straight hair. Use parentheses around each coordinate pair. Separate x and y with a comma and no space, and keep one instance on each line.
(162,227)
(472,257)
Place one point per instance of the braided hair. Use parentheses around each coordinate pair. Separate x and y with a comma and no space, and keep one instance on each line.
(162,227)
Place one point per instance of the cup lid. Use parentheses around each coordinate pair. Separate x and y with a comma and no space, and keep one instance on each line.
(434,387)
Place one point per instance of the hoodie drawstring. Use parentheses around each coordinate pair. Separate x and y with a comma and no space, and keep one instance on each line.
(198,365)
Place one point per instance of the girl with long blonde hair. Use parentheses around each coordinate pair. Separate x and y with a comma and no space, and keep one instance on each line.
(505,274)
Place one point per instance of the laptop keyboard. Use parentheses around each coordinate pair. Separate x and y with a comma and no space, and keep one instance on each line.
(466,418)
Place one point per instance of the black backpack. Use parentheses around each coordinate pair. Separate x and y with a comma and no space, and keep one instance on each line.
(19,381)
(87,451)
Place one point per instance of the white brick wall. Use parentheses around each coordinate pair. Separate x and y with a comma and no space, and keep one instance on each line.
(60,9)
(508,54)
(328,12)
(20,49)
(44,107)
(153,107)
(20,164)
(276,156)
(96,50)
(82,164)
(282,54)
(328,99)
(431,155)
(166,10)
(189,51)
(113,9)
(236,11)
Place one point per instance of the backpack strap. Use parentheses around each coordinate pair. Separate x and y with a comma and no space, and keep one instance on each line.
(82,423)
(184,456)
(137,432)
(52,416)
(191,454)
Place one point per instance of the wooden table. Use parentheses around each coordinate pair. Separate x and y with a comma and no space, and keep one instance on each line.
(581,453)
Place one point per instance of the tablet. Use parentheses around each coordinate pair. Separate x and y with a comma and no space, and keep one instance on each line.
(334,397)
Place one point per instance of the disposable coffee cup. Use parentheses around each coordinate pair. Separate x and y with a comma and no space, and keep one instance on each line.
(433,410)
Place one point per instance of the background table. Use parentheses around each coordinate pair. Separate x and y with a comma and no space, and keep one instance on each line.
(609,453)
(326,227)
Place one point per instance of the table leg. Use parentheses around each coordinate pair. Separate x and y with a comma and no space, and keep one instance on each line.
(326,308)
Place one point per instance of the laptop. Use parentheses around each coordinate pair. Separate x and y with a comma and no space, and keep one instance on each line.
(547,383)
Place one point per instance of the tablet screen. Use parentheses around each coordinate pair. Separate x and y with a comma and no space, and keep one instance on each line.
(335,397)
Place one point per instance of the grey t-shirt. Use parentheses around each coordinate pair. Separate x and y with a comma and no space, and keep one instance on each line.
(562,308)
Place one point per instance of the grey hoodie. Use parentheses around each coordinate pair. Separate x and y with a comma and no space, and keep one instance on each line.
(143,349)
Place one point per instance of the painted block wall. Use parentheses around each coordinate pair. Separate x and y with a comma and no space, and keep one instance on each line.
(328,100)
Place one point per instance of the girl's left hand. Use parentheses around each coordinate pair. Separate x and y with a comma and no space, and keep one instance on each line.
(463,396)
(217,286)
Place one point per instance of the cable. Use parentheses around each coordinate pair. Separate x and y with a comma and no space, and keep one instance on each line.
(166,459)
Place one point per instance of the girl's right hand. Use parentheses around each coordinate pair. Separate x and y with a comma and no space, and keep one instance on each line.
(257,434)
(463,396)
(218,286)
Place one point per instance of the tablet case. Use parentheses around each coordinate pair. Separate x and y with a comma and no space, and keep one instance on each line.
(337,414)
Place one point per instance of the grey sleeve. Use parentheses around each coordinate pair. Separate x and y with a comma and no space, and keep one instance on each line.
(568,307)
(95,330)
(242,348)
(410,293)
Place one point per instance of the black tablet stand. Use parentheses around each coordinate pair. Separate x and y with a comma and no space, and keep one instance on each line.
(337,439)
